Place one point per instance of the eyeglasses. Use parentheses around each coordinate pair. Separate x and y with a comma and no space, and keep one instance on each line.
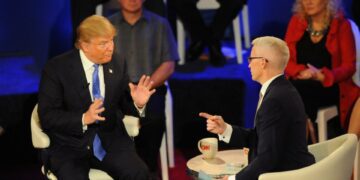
(252,58)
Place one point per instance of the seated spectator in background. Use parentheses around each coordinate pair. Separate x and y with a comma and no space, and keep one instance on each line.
(83,97)
(201,35)
(322,59)
(354,125)
(278,141)
(148,45)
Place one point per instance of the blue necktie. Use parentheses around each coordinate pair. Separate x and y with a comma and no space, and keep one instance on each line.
(99,151)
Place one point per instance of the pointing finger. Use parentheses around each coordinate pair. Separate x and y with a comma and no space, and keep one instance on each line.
(205,115)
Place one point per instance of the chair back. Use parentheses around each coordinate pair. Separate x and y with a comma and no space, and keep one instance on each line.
(38,137)
(334,161)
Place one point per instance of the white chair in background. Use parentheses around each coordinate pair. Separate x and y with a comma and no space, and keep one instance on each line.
(209,5)
(325,114)
(41,141)
(334,161)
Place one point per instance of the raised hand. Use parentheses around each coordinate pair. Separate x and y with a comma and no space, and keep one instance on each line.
(94,111)
(141,93)
(214,124)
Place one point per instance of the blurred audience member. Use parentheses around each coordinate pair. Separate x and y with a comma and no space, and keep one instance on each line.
(148,45)
(202,35)
(322,59)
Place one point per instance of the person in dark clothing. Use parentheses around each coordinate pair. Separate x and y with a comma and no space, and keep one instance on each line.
(202,35)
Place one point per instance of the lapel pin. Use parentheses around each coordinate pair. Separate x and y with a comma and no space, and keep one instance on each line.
(110,71)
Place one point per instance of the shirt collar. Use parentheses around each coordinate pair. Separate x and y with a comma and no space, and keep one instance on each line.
(266,84)
(87,64)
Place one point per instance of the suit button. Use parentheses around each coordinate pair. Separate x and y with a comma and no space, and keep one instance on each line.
(88,147)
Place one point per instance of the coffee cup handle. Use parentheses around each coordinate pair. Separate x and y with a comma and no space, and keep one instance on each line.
(199,147)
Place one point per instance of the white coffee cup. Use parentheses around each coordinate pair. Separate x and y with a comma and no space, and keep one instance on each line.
(132,125)
(208,147)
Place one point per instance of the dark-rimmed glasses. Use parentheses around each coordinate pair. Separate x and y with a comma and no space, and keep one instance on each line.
(252,58)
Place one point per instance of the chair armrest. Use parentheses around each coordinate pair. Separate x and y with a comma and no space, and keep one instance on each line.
(38,137)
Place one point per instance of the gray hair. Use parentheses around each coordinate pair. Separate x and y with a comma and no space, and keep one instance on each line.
(276,45)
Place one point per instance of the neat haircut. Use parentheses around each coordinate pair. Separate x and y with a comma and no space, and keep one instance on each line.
(277,45)
(94,26)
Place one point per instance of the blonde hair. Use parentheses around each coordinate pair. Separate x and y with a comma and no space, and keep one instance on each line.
(276,45)
(332,8)
(94,26)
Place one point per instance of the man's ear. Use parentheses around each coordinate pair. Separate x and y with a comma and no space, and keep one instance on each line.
(84,46)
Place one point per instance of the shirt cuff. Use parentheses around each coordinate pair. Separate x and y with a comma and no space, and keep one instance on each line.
(232,177)
(141,111)
(84,126)
(227,134)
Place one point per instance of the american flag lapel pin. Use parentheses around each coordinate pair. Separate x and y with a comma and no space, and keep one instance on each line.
(110,71)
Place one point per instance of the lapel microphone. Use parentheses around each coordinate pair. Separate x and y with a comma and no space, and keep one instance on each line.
(86,86)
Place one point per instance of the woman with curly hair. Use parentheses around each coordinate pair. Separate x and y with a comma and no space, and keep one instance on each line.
(322,60)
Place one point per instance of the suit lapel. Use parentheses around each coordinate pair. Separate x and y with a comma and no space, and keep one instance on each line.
(109,75)
(272,84)
(81,84)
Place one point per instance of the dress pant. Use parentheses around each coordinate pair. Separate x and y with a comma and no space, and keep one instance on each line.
(120,162)
(148,141)
(195,25)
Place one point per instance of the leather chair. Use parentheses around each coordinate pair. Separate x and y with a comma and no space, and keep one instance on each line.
(334,161)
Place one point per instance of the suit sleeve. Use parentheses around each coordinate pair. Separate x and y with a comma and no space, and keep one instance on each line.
(271,132)
(241,137)
(53,115)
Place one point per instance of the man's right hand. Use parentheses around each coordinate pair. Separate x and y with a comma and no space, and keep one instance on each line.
(214,123)
(94,111)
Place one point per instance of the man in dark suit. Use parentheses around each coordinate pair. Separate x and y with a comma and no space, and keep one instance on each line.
(83,97)
(278,140)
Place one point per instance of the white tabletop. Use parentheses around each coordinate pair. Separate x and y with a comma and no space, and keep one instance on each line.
(222,164)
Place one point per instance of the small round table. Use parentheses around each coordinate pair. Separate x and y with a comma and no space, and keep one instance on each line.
(227,162)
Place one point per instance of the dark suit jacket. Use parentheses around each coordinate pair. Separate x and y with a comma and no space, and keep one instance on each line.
(278,141)
(64,96)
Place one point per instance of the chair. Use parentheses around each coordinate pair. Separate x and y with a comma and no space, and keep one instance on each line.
(334,161)
(325,114)
(357,163)
(41,141)
(213,4)
(167,142)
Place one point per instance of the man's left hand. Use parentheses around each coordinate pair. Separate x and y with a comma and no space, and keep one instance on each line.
(141,93)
